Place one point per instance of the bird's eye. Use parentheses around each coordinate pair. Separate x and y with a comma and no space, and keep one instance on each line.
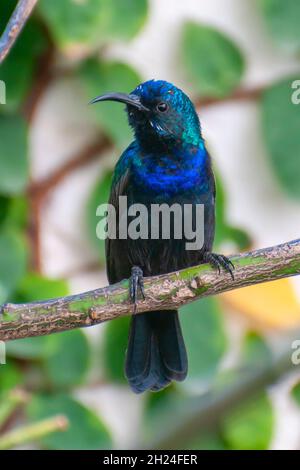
(162,107)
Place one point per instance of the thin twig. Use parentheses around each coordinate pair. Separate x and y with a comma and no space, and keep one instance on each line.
(12,401)
(163,292)
(40,85)
(84,157)
(15,26)
(242,94)
(37,193)
(33,432)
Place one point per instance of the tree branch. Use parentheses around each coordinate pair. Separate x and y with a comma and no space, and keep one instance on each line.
(164,292)
(15,26)
(241,94)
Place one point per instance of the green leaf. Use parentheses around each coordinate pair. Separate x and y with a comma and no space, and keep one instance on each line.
(281,123)
(68,359)
(124,18)
(18,69)
(17,213)
(27,349)
(92,22)
(85,432)
(7,7)
(114,349)
(10,376)
(207,441)
(226,233)
(255,350)
(13,261)
(13,212)
(205,339)
(14,167)
(213,63)
(282,19)
(101,77)
(64,357)
(160,408)
(100,195)
(35,287)
(250,425)
(296,393)
(72,22)
(4,208)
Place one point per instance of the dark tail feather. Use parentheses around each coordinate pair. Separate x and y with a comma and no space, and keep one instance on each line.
(156,352)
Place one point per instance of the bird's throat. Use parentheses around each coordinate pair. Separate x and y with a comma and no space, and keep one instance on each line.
(171,171)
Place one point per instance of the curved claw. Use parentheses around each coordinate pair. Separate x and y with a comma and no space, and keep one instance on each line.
(218,261)
(136,285)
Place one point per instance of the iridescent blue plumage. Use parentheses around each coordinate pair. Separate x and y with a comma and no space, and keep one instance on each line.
(168,154)
(168,174)
(166,163)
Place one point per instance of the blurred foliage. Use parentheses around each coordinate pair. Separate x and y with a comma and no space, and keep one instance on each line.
(18,68)
(99,195)
(205,338)
(296,393)
(35,286)
(86,430)
(226,233)
(250,425)
(213,64)
(255,350)
(52,368)
(12,262)
(11,377)
(14,165)
(281,133)
(114,349)
(101,77)
(282,18)
(92,22)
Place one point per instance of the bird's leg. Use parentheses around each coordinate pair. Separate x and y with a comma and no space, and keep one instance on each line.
(136,284)
(218,262)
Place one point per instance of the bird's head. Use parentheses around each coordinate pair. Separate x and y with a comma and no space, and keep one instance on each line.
(158,111)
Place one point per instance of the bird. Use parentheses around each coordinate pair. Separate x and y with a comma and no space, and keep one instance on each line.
(166,163)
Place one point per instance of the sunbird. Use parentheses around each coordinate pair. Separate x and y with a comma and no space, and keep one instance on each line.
(167,163)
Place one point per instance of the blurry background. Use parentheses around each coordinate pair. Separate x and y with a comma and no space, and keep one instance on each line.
(237,59)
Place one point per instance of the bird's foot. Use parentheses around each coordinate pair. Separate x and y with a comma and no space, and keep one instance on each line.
(136,285)
(218,262)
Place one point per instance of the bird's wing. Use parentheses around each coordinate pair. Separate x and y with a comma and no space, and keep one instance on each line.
(119,188)
(212,176)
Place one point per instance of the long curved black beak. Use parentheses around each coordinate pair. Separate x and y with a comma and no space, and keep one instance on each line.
(132,100)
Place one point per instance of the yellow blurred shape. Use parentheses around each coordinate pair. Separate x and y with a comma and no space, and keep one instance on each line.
(273,304)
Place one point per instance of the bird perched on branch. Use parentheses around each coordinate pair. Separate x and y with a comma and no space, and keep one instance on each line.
(167,163)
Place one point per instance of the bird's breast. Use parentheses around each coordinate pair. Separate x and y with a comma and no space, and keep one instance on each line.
(171,175)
